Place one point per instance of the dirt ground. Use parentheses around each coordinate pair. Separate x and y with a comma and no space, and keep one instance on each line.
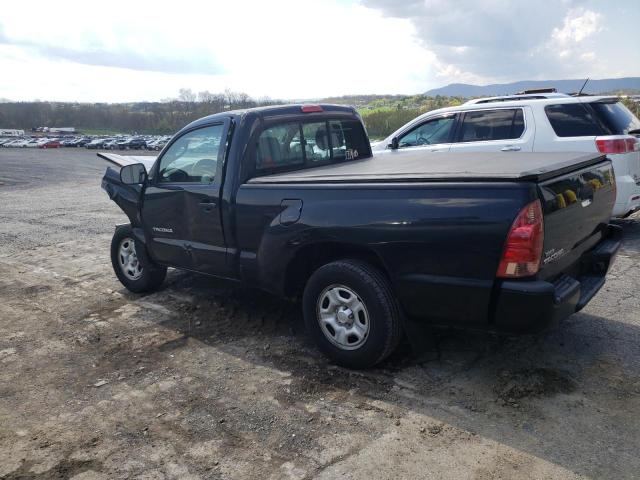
(206,380)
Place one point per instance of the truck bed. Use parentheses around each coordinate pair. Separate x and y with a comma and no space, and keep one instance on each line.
(429,166)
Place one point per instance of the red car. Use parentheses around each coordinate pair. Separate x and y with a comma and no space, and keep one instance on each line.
(51,144)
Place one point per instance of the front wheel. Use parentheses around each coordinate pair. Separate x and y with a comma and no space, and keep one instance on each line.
(133,268)
(351,313)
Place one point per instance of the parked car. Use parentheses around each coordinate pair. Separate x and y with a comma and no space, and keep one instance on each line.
(156,144)
(23,143)
(50,144)
(68,142)
(540,122)
(35,142)
(110,144)
(12,142)
(95,143)
(523,239)
(81,142)
(132,144)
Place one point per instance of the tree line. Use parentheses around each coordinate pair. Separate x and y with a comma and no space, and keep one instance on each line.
(163,117)
(382,114)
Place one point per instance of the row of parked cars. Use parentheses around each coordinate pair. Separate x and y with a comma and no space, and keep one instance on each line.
(91,142)
(30,142)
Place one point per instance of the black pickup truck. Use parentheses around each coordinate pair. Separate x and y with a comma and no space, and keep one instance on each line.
(289,199)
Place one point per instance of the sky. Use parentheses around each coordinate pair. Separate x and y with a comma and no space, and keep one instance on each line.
(297,49)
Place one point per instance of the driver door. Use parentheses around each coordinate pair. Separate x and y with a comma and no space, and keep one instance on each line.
(181,207)
(432,135)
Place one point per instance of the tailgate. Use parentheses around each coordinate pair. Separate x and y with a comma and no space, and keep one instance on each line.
(577,207)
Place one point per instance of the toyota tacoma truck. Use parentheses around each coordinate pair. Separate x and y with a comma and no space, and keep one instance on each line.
(289,199)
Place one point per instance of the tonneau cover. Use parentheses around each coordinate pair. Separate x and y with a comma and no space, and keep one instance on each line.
(435,166)
(124,160)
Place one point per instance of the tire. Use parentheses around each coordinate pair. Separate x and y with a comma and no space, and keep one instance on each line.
(373,296)
(138,275)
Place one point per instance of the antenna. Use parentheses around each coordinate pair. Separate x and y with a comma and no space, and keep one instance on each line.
(583,85)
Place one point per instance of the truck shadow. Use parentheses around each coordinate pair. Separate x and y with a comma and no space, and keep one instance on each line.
(570,395)
(631,228)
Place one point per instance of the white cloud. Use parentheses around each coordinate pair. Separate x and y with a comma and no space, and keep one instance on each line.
(291,49)
(282,49)
(578,25)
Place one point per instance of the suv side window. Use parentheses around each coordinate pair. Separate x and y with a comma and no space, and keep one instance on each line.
(436,130)
(572,120)
(297,145)
(484,125)
(193,157)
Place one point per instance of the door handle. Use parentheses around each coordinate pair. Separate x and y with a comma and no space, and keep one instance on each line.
(510,148)
(207,205)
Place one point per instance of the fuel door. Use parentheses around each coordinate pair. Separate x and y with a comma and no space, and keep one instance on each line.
(291,210)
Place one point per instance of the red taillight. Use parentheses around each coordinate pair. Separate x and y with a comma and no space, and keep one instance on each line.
(616,145)
(523,248)
(311,108)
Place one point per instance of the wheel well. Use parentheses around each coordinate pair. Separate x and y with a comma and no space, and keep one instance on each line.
(310,258)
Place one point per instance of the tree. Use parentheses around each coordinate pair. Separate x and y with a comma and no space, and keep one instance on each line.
(186,95)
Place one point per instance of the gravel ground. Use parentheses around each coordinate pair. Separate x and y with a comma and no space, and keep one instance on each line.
(206,380)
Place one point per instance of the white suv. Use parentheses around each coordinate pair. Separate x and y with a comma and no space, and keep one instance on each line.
(540,122)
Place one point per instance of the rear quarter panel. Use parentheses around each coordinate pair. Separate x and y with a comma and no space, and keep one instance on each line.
(439,242)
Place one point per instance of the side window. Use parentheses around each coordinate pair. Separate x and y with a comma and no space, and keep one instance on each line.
(572,120)
(483,125)
(280,146)
(193,157)
(308,144)
(437,130)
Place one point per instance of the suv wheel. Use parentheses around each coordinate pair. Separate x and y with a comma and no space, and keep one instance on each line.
(132,266)
(351,313)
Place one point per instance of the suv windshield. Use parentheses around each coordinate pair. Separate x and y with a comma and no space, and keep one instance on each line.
(616,118)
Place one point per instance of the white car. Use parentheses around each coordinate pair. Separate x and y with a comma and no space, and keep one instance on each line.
(535,122)
(22,143)
(37,142)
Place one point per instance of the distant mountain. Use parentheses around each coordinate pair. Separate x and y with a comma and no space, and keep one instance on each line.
(564,86)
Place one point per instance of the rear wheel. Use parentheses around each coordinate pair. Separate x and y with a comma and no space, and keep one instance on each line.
(132,267)
(351,313)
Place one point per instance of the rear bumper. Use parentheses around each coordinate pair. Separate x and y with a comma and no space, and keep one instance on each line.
(628,196)
(533,305)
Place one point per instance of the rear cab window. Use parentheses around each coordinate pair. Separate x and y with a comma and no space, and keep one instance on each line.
(488,125)
(305,144)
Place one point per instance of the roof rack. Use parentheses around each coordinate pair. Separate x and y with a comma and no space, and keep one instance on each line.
(517,97)
(537,90)
(511,98)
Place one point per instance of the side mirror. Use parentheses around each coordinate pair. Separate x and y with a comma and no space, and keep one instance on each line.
(135,174)
(394,143)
